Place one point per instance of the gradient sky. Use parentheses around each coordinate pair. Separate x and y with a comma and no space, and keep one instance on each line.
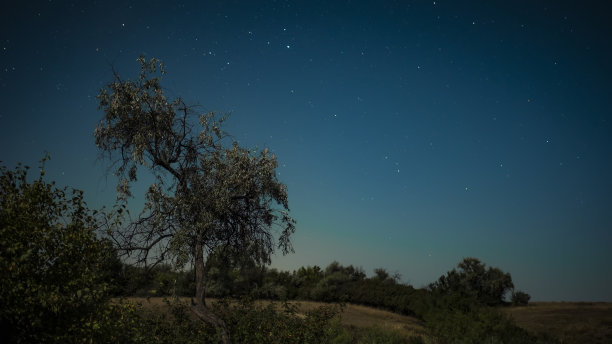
(410,134)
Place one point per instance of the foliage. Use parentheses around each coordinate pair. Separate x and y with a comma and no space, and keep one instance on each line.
(474,281)
(378,335)
(207,194)
(449,316)
(483,326)
(252,323)
(175,326)
(55,273)
(457,308)
(520,298)
(247,323)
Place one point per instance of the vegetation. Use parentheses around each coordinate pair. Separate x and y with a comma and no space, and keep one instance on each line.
(448,315)
(208,195)
(280,322)
(566,322)
(207,228)
(54,272)
(475,282)
(520,298)
(58,277)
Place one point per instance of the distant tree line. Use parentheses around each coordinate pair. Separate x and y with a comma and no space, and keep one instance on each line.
(460,304)
(229,277)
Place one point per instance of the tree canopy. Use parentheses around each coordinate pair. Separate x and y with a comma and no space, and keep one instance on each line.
(472,279)
(209,192)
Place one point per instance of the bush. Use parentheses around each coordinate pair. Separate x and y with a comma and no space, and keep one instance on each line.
(520,298)
(176,326)
(54,272)
(251,323)
(472,279)
(379,335)
(454,319)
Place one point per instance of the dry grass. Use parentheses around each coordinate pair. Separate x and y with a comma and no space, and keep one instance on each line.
(569,322)
(151,303)
(352,315)
(362,316)
(572,323)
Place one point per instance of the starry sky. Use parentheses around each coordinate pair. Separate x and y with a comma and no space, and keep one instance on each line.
(410,134)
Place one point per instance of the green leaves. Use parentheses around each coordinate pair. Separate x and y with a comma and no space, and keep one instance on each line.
(210,194)
(208,190)
(520,298)
(51,271)
(473,280)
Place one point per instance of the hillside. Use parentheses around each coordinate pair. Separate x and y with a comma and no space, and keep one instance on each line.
(568,322)
(353,316)
(572,323)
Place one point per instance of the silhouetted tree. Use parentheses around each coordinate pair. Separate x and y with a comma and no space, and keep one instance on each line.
(520,298)
(207,193)
(473,279)
(381,274)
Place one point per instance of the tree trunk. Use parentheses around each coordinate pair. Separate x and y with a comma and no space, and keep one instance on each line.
(199,275)
(200,298)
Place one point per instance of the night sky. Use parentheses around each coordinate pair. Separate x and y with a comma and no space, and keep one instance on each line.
(410,134)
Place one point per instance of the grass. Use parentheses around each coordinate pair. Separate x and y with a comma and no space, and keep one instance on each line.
(568,322)
(364,317)
(354,317)
(571,323)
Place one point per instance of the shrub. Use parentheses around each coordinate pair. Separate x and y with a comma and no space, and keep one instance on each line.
(474,280)
(251,323)
(53,270)
(520,298)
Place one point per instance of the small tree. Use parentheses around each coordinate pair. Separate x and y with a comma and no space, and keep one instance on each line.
(207,193)
(474,280)
(520,298)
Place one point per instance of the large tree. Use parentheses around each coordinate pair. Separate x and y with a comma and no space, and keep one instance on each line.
(209,192)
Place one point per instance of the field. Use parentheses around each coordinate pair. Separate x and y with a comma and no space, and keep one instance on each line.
(570,323)
(363,317)
(355,316)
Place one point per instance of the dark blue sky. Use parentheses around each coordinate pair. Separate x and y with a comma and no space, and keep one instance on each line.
(411,134)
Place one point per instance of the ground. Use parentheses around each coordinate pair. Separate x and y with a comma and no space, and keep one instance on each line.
(571,323)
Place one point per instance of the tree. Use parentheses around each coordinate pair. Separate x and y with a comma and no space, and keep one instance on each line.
(54,272)
(474,280)
(520,298)
(207,193)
